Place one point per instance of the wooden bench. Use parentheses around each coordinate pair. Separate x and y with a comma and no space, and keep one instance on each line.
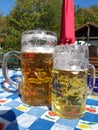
(94,61)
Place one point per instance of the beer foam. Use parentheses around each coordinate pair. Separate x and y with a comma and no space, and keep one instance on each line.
(69,69)
(42,36)
(66,67)
(38,49)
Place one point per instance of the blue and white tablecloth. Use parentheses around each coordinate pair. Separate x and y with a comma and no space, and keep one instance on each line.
(16,115)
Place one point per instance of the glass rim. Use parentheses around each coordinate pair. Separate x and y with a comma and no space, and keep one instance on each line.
(48,32)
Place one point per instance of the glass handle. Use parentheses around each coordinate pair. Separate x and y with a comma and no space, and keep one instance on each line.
(91,78)
(5,69)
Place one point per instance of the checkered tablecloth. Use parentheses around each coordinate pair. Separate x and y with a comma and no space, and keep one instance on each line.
(16,115)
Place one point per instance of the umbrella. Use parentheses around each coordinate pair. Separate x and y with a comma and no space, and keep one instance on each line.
(67,32)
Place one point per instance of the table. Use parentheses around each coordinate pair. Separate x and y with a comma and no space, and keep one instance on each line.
(18,116)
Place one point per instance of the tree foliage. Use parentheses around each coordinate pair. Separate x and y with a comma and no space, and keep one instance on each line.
(31,14)
(84,15)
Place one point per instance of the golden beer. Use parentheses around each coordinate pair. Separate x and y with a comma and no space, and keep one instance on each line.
(36,85)
(69,93)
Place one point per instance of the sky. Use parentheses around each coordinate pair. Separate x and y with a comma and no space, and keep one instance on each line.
(7,5)
(86,3)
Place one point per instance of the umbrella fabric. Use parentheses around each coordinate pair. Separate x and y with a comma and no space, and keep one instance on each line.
(67,32)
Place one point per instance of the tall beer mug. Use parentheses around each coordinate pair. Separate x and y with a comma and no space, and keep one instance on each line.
(70,73)
(37,47)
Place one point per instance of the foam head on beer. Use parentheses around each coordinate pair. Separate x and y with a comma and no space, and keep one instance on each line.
(38,41)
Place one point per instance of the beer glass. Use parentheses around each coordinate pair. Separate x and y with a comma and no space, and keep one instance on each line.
(37,47)
(70,72)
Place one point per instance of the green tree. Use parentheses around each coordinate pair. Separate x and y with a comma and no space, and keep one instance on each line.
(3,30)
(31,14)
(84,15)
